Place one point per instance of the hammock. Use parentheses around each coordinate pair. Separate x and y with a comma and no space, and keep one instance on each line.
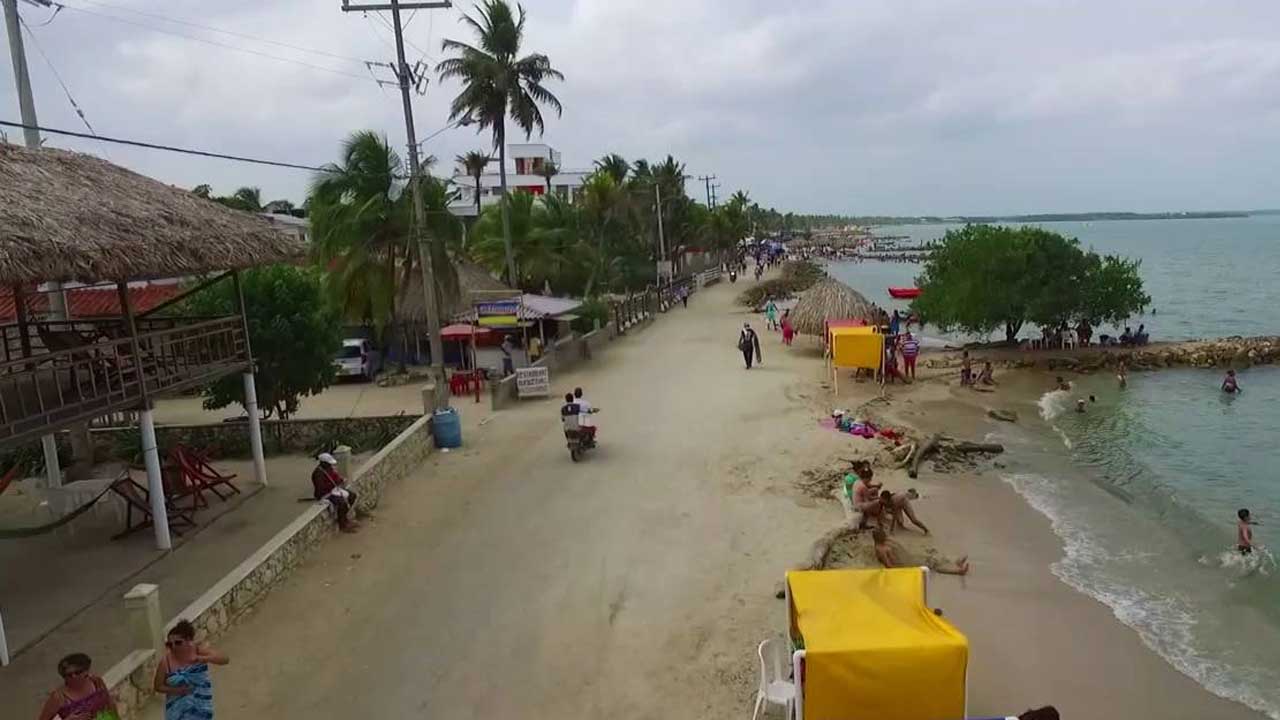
(16,533)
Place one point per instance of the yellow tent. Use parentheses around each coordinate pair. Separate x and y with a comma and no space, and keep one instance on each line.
(872,648)
(854,347)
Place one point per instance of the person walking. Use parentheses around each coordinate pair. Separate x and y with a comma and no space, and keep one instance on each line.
(910,351)
(788,330)
(771,314)
(82,695)
(183,675)
(508,364)
(749,345)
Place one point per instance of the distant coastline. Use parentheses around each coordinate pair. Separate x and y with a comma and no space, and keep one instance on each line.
(1060,217)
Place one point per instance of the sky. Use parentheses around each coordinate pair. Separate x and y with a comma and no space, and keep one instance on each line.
(896,107)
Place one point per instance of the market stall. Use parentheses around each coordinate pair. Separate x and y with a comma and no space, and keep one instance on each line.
(866,645)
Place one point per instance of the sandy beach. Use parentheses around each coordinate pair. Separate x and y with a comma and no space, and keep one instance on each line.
(505,581)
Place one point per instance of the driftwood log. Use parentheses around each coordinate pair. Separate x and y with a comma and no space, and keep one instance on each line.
(973,447)
(819,552)
(925,448)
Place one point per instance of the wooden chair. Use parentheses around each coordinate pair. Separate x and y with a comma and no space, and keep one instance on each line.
(195,467)
(138,498)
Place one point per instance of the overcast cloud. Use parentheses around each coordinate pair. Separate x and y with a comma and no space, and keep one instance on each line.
(853,106)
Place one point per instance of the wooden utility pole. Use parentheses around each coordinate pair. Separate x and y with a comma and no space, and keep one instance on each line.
(405,77)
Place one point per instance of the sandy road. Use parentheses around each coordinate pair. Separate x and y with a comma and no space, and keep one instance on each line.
(504,581)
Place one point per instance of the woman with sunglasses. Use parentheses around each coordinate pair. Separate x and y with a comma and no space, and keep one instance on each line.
(183,675)
(83,696)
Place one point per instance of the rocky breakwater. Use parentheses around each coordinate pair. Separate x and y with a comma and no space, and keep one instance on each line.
(1229,352)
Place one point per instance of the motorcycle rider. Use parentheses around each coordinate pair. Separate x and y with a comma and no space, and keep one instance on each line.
(585,410)
(569,413)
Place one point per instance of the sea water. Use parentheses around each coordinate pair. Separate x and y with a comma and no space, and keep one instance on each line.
(1143,487)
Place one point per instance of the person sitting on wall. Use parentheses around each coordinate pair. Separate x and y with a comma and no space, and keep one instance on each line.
(327,484)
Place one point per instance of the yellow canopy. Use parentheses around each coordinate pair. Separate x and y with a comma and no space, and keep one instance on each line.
(856,347)
(873,649)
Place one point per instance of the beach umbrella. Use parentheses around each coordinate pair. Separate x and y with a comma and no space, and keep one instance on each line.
(828,300)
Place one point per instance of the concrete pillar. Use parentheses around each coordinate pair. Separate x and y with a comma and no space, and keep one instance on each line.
(342,454)
(142,611)
(4,644)
(428,399)
(155,482)
(52,468)
(255,429)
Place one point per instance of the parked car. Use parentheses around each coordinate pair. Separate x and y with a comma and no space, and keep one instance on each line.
(358,358)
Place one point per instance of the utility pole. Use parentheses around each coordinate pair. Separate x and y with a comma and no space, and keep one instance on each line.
(707,179)
(31,136)
(662,241)
(714,200)
(403,74)
(26,103)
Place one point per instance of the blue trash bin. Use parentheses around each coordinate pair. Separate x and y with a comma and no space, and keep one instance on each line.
(446,426)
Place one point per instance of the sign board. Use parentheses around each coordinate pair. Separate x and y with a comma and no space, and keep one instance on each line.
(500,313)
(533,382)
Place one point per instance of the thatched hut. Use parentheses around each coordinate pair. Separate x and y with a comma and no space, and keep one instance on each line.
(77,218)
(72,217)
(828,300)
(475,284)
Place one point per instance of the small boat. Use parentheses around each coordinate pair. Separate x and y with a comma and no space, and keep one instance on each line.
(904,293)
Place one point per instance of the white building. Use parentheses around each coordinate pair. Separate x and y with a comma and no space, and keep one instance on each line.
(524,166)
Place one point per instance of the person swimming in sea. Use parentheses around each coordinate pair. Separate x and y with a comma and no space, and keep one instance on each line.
(1230,384)
(1122,374)
(1063,384)
(1244,533)
(1080,405)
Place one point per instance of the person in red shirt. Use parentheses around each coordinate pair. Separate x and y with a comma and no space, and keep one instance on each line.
(328,485)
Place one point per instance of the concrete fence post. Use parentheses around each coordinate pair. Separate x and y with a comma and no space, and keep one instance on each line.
(142,606)
(428,399)
(342,454)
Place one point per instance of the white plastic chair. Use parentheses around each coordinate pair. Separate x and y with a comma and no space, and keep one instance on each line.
(1069,340)
(779,690)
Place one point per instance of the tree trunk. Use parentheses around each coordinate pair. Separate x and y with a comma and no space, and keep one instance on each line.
(1011,329)
(512,278)
(477,197)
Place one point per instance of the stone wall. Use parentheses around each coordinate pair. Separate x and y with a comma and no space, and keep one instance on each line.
(231,439)
(230,598)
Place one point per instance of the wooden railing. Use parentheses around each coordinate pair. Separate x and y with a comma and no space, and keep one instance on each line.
(104,374)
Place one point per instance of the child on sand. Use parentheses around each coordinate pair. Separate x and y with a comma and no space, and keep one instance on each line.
(892,555)
(899,504)
(966,369)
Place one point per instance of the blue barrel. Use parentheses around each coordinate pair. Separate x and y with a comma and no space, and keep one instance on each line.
(446,426)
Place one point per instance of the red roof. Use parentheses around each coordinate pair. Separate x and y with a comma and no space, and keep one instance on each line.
(91,302)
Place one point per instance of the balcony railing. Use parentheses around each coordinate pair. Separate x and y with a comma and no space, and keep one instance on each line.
(82,370)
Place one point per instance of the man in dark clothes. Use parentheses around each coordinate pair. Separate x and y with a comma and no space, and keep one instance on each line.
(749,345)
(327,484)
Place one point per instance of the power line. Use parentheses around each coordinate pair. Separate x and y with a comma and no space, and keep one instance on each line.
(168,148)
(211,28)
(57,76)
(214,43)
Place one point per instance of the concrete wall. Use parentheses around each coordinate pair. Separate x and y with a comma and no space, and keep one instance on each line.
(231,439)
(230,598)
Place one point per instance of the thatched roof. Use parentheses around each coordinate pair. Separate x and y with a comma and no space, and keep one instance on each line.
(474,284)
(69,216)
(828,300)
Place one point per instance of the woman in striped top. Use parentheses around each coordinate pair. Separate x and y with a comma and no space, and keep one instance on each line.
(910,351)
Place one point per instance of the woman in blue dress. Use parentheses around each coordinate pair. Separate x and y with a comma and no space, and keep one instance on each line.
(183,675)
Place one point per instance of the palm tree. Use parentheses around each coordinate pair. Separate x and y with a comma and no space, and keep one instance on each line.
(497,81)
(615,166)
(360,223)
(548,171)
(474,163)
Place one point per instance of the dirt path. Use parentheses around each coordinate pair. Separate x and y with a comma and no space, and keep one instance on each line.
(506,581)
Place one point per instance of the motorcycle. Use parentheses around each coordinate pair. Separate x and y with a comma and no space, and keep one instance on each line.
(580,440)
(733,277)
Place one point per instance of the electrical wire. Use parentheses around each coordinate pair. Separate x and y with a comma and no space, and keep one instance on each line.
(167,148)
(35,42)
(210,28)
(196,38)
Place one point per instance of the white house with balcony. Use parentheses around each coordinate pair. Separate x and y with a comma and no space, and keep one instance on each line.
(525,163)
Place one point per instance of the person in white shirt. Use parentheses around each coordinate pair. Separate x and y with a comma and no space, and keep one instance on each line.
(584,413)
